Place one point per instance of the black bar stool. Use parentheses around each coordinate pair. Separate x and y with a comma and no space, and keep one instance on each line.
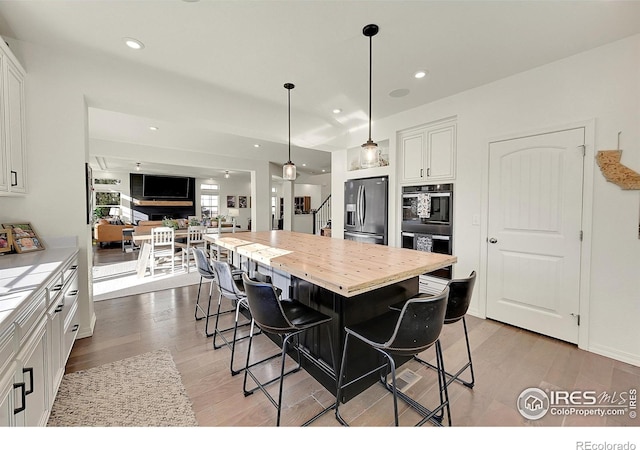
(233,289)
(206,273)
(287,319)
(407,332)
(460,291)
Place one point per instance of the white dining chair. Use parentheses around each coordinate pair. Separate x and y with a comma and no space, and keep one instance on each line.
(195,239)
(162,246)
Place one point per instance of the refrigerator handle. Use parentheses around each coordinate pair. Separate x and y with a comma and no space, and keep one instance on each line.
(363,208)
(359,207)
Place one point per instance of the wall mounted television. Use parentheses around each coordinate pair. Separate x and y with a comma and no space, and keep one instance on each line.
(157,186)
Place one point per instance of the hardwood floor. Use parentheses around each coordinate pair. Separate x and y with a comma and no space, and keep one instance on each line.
(507,360)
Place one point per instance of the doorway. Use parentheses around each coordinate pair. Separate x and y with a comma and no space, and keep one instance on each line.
(534,240)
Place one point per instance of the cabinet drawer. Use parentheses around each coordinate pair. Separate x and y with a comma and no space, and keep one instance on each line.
(70,272)
(70,301)
(7,347)
(70,332)
(54,289)
(30,316)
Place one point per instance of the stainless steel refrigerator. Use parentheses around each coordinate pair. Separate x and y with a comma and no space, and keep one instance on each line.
(366,206)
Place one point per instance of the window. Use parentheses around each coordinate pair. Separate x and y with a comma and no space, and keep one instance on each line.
(209,200)
(104,201)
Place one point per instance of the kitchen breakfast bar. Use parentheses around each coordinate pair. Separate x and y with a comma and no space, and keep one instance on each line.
(347,280)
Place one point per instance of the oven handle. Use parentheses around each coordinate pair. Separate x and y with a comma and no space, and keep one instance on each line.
(432,194)
(404,233)
(440,237)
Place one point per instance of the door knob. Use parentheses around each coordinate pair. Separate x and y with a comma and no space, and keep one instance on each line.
(493,240)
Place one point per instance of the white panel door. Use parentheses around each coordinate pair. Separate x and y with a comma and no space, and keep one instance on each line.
(534,232)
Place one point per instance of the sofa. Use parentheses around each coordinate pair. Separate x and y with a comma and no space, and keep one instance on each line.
(104,231)
(145,226)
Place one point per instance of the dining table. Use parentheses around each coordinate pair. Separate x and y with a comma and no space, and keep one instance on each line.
(144,240)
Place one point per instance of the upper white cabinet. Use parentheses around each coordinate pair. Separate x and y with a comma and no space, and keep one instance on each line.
(13,157)
(428,153)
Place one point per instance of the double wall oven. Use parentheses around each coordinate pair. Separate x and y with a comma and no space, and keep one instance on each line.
(427,220)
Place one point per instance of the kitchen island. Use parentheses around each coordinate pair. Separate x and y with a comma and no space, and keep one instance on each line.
(347,280)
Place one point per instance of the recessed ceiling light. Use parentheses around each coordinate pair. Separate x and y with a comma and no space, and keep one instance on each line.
(304,165)
(399,93)
(133,43)
(152,128)
(420,74)
(323,170)
(337,111)
(256,145)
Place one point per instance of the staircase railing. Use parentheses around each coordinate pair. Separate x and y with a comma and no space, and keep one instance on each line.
(322,215)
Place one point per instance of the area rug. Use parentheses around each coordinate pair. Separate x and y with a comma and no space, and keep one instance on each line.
(120,280)
(141,391)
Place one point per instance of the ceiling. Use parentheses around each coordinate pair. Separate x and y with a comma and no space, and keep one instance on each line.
(240,53)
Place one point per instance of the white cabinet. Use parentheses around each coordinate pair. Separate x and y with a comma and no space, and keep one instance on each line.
(428,153)
(13,169)
(32,370)
(7,387)
(7,367)
(36,340)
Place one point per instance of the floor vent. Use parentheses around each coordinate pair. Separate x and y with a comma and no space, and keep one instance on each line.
(406,379)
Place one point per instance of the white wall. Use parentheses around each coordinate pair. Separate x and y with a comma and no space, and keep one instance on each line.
(236,186)
(601,85)
(57,148)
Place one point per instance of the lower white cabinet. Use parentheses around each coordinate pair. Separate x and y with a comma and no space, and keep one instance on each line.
(35,346)
(7,388)
(32,371)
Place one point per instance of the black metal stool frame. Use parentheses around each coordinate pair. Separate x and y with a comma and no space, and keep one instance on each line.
(287,331)
(205,270)
(460,291)
(391,346)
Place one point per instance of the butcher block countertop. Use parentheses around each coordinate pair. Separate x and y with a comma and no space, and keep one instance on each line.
(345,267)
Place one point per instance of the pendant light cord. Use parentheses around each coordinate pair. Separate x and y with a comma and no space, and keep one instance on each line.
(370,78)
(289,112)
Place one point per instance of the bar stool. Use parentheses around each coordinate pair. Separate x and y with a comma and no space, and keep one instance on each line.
(241,302)
(206,273)
(287,319)
(460,291)
(407,332)
(231,289)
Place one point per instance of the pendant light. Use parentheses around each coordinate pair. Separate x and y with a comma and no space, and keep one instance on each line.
(370,148)
(289,169)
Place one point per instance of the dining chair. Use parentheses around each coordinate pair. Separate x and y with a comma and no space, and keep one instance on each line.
(162,246)
(405,333)
(195,239)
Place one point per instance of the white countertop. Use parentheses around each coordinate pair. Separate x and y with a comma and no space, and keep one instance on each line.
(23,274)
